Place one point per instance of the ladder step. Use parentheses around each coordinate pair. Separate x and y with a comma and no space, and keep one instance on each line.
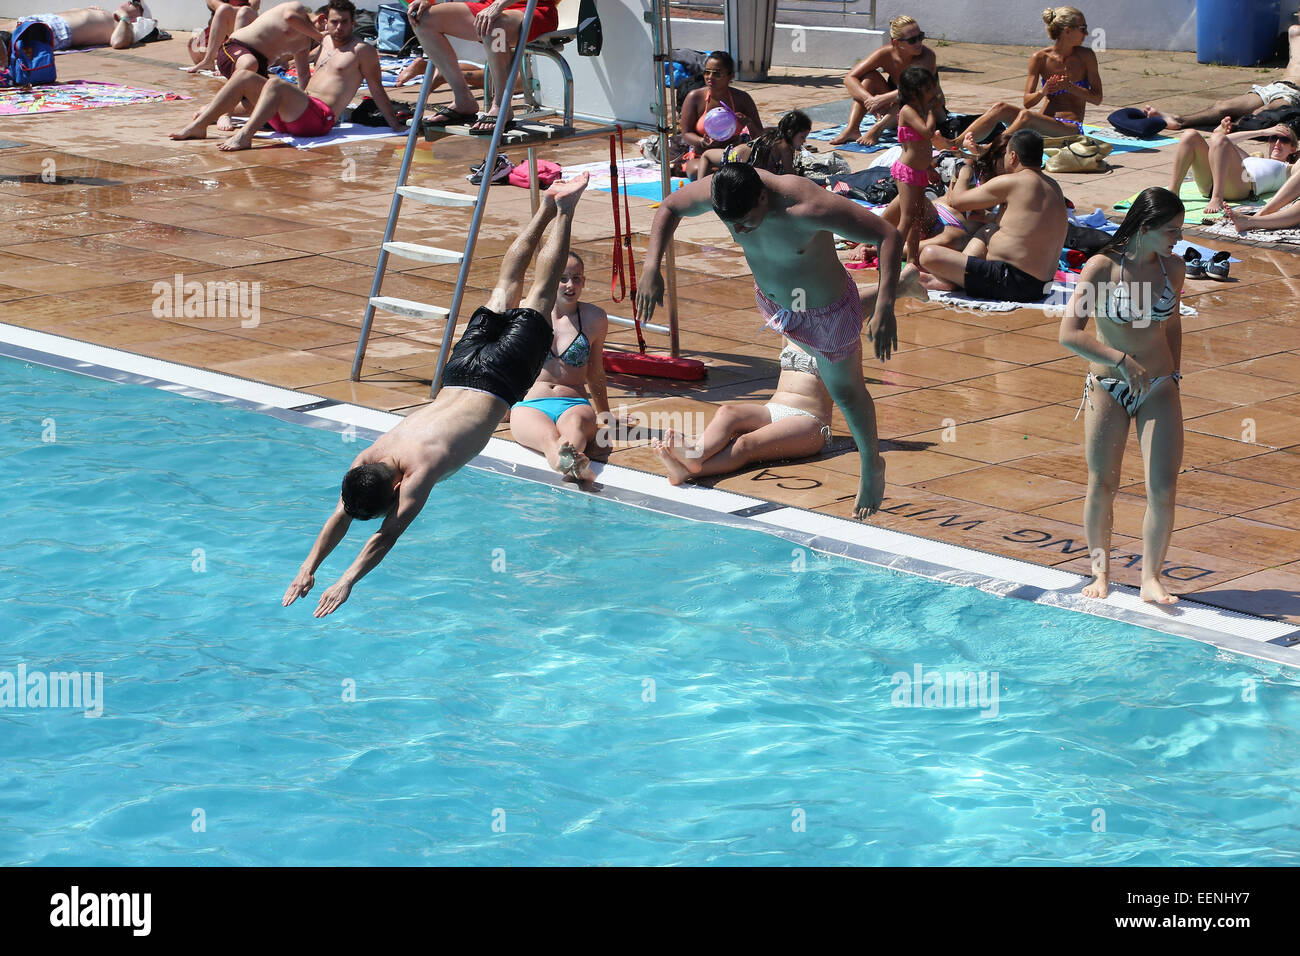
(436,197)
(408,308)
(413,250)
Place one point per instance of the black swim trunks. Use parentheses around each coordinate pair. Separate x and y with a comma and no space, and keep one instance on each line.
(500,353)
(1001,281)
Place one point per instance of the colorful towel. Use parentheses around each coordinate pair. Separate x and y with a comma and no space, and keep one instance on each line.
(1194,202)
(641,175)
(1126,144)
(887,139)
(76,95)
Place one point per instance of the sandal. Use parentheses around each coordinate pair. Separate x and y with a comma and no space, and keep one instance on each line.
(450,117)
(1218,267)
(1195,264)
(485,124)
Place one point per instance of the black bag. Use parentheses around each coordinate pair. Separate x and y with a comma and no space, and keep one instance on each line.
(589,36)
(860,183)
(1266,119)
(1086,239)
(366,29)
(882,192)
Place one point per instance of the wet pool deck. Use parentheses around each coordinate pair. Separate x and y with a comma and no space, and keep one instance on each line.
(80,256)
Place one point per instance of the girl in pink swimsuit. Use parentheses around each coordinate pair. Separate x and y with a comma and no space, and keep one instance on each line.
(918,97)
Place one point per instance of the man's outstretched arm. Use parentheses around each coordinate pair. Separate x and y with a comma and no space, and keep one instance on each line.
(334,531)
(411,498)
(693,200)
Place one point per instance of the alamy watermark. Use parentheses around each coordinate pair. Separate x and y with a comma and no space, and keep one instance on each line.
(934,688)
(81,690)
(208,300)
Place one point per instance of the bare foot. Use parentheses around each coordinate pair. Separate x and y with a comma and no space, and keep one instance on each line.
(241,140)
(1171,122)
(677,473)
(1153,592)
(871,491)
(1214,207)
(566,194)
(845,136)
(1099,588)
(225,123)
(193,131)
(574,465)
(685,452)
(909,285)
(1236,219)
(869,137)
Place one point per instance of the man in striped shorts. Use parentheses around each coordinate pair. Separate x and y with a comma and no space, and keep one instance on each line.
(786,226)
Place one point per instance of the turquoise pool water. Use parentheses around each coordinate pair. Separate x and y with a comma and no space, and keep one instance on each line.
(505,717)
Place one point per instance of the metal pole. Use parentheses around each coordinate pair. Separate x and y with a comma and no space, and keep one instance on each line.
(488,164)
(411,139)
(663,52)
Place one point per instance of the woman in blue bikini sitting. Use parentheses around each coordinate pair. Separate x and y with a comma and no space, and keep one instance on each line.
(1064,77)
(1132,288)
(556,418)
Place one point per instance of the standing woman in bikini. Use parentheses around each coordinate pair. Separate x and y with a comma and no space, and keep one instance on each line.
(873,83)
(556,418)
(1063,78)
(719,68)
(1132,288)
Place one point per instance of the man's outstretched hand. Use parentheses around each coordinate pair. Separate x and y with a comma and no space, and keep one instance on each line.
(333,598)
(649,293)
(882,330)
(302,584)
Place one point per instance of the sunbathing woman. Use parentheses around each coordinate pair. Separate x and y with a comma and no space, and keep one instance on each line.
(776,149)
(1063,77)
(1280,212)
(794,424)
(706,152)
(1223,170)
(556,418)
(1134,375)
(873,83)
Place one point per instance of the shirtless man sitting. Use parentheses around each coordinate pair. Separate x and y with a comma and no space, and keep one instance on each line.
(786,226)
(1013,258)
(89,26)
(285,29)
(343,64)
(492,367)
(1281,93)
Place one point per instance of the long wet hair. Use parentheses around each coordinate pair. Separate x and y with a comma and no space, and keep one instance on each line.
(911,84)
(787,128)
(1153,208)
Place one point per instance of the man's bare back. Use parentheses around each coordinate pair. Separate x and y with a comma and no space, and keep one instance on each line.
(1031,230)
(281,30)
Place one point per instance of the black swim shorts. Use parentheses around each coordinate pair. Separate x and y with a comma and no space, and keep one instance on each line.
(1001,281)
(500,353)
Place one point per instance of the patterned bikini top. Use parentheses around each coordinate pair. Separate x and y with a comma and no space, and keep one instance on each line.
(579,350)
(1119,304)
(795,359)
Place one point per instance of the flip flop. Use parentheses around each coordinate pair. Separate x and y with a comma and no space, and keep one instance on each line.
(484,125)
(450,117)
(1218,267)
(1195,264)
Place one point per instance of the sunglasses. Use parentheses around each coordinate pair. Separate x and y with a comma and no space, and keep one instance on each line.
(913,39)
(715,72)
(1281,139)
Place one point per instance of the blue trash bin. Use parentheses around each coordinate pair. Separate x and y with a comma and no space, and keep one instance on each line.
(1236,32)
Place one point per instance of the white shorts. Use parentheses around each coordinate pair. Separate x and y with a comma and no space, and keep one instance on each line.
(1268,175)
(1277,91)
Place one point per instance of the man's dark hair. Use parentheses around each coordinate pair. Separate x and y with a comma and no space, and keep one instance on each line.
(736,189)
(1028,145)
(368,491)
(343,6)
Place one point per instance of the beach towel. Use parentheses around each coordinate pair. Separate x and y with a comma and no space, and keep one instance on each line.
(77,95)
(1191,196)
(342,133)
(1225,229)
(1062,289)
(641,175)
(887,138)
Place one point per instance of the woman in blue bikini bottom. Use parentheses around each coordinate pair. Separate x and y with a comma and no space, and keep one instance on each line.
(556,418)
(1132,289)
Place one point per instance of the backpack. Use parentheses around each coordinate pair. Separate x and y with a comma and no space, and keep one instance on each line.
(394,31)
(31,57)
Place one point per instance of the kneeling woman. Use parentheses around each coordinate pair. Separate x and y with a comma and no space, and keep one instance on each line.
(794,424)
(1132,288)
(556,418)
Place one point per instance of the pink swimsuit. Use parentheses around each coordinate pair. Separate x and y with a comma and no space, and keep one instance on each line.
(902,172)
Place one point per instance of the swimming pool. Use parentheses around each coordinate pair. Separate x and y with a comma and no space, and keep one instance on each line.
(623,687)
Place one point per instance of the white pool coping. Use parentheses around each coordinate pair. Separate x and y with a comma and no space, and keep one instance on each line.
(1246,634)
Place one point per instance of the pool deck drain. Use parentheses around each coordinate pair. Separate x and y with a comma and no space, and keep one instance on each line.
(1258,637)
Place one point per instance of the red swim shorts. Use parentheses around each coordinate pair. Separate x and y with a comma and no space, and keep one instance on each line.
(316,120)
(545,17)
